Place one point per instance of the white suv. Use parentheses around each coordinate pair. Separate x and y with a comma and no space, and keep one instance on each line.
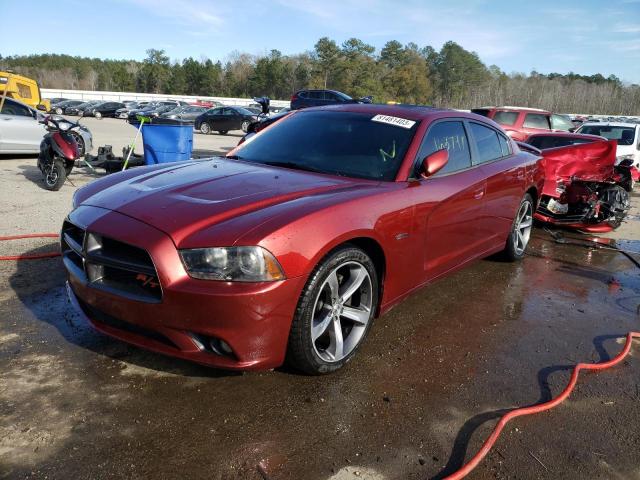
(626,134)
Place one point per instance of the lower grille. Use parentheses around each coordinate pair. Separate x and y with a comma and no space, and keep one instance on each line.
(101,317)
(109,265)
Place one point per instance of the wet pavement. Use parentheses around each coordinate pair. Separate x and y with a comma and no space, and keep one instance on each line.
(419,398)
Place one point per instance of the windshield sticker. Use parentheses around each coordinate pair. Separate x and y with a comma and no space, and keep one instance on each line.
(397,121)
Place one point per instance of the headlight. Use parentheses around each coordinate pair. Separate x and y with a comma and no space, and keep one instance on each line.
(64,126)
(232,264)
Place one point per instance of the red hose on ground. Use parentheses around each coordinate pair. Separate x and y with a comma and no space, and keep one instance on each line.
(35,255)
(541,407)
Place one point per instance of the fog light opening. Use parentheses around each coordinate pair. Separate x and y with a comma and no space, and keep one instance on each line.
(212,345)
(220,347)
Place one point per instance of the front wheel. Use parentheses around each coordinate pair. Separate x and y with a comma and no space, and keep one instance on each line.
(58,111)
(245,126)
(335,312)
(97,114)
(205,128)
(520,230)
(55,175)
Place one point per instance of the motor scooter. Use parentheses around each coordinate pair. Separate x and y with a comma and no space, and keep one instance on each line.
(58,151)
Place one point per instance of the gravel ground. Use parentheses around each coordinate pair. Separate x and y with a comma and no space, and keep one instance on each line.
(420,397)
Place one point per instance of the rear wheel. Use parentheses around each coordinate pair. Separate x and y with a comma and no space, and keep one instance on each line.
(520,230)
(205,128)
(334,313)
(55,175)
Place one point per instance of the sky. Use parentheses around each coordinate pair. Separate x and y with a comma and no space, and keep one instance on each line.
(584,36)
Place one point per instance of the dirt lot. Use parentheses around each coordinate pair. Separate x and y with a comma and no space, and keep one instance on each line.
(421,396)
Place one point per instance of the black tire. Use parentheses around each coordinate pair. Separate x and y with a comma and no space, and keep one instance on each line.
(245,126)
(58,111)
(205,128)
(302,351)
(223,132)
(55,178)
(513,251)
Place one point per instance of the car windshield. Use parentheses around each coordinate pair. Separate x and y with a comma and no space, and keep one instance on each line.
(339,143)
(623,135)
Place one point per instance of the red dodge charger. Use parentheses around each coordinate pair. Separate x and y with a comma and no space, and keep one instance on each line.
(291,245)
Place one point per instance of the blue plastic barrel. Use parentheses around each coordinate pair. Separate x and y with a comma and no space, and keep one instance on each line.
(166,140)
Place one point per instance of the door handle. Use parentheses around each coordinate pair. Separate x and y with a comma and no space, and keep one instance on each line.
(478,194)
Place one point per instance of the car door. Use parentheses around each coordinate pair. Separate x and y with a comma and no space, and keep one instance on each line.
(19,129)
(232,119)
(449,204)
(505,177)
(215,119)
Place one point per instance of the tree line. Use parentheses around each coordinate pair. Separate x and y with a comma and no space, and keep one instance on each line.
(450,77)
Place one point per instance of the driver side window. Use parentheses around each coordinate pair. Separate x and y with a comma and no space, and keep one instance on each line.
(451,136)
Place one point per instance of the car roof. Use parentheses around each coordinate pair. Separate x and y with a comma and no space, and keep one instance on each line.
(411,112)
(510,107)
(611,124)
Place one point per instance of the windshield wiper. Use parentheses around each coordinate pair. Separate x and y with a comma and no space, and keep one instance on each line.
(297,166)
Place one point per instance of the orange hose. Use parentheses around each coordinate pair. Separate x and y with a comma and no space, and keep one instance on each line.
(35,255)
(541,407)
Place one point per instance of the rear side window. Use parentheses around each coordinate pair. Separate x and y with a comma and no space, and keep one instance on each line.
(536,120)
(487,142)
(315,95)
(452,136)
(506,118)
(505,145)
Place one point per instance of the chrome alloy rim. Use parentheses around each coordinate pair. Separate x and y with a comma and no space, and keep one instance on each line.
(341,311)
(522,230)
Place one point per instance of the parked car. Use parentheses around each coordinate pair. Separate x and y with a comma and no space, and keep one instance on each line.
(627,136)
(207,103)
(106,109)
(584,189)
(223,119)
(55,100)
(297,240)
(560,139)
(82,108)
(520,122)
(189,113)
(319,98)
(129,107)
(21,130)
(261,123)
(59,108)
(154,109)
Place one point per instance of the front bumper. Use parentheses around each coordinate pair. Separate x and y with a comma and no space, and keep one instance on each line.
(252,318)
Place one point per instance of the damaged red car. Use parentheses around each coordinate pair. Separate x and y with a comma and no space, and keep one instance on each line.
(584,189)
(294,243)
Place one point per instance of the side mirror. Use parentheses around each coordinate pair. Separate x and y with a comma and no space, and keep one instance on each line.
(433,163)
(41,107)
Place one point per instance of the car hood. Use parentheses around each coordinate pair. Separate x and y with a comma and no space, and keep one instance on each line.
(185,198)
(587,162)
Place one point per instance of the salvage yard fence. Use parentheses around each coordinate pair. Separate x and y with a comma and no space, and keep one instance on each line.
(121,96)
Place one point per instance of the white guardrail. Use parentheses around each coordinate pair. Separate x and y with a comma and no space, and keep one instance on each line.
(120,96)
